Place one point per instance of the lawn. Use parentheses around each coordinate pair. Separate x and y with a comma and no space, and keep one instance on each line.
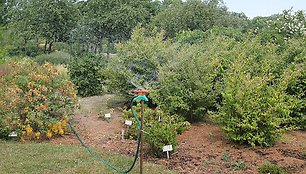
(46,158)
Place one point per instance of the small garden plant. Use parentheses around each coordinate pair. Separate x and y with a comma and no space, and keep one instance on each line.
(270,168)
(160,129)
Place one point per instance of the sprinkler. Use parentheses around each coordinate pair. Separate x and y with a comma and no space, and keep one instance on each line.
(141,96)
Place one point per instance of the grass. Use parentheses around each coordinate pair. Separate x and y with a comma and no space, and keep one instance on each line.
(46,158)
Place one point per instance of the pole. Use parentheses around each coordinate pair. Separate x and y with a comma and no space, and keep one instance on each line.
(141,137)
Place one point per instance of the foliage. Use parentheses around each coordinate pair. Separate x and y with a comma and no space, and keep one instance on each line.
(268,167)
(2,12)
(190,37)
(255,103)
(110,20)
(187,84)
(278,29)
(239,165)
(56,58)
(138,61)
(35,101)
(178,16)
(226,156)
(51,20)
(28,50)
(189,15)
(290,24)
(297,87)
(160,135)
(233,20)
(161,129)
(87,73)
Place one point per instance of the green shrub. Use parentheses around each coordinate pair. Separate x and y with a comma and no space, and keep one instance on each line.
(190,37)
(297,87)
(29,49)
(255,103)
(160,129)
(35,101)
(138,61)
(297,90)
(160,135)
(87,73)
(61,46)
(269,168)
(56,58)
(187,84)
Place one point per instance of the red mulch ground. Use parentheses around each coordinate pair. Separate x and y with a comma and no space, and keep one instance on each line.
(202,149)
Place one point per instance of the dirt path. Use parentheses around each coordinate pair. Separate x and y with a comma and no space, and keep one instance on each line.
(202,149)
(97,131)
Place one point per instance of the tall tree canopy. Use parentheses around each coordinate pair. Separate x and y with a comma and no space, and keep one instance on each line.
(115,20)
(176,16)
(51,20)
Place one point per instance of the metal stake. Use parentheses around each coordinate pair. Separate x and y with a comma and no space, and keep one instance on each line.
(141,137)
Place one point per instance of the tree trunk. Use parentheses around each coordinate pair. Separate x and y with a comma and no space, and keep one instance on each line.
(45,48)
(50,47)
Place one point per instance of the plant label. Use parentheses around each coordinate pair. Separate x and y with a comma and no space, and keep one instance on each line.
(13,134)
(128,122)
(108,115)
(167,148)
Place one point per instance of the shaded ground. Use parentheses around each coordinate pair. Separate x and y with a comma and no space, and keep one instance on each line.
(202,149)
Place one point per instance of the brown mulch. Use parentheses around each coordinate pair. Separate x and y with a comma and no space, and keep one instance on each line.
(202,150)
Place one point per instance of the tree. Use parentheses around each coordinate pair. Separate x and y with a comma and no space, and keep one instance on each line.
(114,20)
(2,3)
(51,20)
(178,16)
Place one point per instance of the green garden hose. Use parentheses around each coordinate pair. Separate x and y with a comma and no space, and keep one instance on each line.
(91,152)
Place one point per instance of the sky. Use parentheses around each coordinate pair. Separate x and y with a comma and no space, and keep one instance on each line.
(254,8)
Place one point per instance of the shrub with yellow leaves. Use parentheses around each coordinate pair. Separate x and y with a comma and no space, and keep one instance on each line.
(35,101)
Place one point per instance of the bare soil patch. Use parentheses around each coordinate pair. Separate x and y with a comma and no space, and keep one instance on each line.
(202,149)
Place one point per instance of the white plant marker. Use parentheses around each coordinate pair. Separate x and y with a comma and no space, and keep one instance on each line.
(108,115)
(167,149)
(128,122)
(13,134)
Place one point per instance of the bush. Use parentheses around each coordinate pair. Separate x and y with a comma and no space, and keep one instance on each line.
(30,50)
(187,84)
(87,73)
(297,87)
(190,37)
(267,167)
(138,61)
(255,103)
(160,135)
(161,129)
(56,58)
(61,47)
(35,101)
